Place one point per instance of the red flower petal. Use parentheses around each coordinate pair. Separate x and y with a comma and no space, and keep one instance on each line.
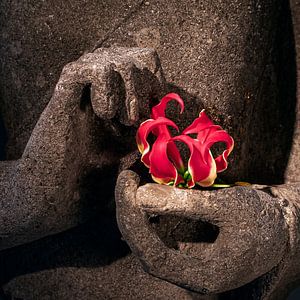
(199,124)
(159,109)
(173,152)
(161,168)
(143,132)
(175,156)
(201,167)
(208,134)
(221,136)
(164,159)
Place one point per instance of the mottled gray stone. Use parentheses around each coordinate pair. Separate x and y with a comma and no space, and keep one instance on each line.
(292,173)
(234,58)
(41,193)
(129,281)
(258,231)
(37,39)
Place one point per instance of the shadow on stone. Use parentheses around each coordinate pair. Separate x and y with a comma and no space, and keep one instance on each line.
(175,231)
(96,190)
(96,243)
(271,108)
(3,139)
(264,120)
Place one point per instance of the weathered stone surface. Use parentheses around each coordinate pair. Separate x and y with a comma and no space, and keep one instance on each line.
(97,283)
(42,193)
(257,228)
(88,262)
(37,39)
(235,58)
(292,173)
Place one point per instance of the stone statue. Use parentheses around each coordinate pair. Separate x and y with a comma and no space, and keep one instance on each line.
(40,192)
(237,61)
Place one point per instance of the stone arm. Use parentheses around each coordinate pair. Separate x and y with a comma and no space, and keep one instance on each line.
(289,272)
(259,234)
(40,191)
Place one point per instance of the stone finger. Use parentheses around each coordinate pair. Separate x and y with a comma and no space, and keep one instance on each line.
(104,96)
(129,112)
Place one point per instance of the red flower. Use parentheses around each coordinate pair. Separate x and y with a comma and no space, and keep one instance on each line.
(163,158)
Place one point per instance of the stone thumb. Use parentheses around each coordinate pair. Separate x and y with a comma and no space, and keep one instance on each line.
(126,187)
(195,204)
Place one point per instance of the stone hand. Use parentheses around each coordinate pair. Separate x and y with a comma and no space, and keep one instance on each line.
(95,96)
(254,232)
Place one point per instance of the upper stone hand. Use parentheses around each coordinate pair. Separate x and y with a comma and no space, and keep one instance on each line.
(122,81)
(41,193)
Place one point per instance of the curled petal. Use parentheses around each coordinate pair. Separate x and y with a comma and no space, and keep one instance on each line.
(161,168)
(164,159)
(203,135)
(159,109)
(143,132)
(175,156)
(202,168)
(199,124)
(221,136)
(208,134)
(172,150)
